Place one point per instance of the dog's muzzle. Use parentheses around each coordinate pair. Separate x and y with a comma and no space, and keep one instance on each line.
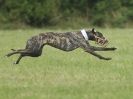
(101,41)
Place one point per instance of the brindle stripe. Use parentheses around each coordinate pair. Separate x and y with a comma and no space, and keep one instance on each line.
(64,41)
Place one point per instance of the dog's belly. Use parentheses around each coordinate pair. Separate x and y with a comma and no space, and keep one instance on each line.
(62,43)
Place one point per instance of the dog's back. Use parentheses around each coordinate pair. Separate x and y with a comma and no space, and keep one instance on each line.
(63,41)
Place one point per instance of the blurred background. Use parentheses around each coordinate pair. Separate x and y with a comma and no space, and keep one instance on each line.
(65,13)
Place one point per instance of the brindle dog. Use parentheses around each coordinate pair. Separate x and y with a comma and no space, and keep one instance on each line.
(64,41)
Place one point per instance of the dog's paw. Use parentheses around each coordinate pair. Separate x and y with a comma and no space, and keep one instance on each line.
(8,55)
(13,49)
(113,48)
(103,58)
(15,63)
(108,58)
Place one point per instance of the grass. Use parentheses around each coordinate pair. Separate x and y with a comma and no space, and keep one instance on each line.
(67,75)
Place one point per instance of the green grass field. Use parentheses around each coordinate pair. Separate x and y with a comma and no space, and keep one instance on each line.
(67,75)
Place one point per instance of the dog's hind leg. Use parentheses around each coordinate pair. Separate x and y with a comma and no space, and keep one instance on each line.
(12,53)
(18,49)
(18,60)
(22,54)
(17,52)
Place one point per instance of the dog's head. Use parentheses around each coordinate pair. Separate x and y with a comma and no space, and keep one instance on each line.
(98,37)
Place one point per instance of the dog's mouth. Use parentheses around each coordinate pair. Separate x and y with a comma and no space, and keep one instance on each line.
(101,41)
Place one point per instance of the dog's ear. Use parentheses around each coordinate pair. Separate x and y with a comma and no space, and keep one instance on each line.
(93,30)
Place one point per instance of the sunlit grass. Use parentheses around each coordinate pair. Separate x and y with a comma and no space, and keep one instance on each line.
(67,75)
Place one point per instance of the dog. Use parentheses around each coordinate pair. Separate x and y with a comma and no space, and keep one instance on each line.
(64,41)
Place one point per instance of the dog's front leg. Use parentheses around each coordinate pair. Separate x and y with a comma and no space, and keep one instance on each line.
(97,55)
(102,49)
(90,50)
(86,46)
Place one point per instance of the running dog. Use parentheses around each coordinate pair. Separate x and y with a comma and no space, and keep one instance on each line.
(64,41)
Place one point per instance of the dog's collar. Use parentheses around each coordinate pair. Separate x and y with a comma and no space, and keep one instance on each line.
(84,34)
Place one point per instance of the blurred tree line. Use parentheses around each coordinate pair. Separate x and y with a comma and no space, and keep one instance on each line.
(114,13)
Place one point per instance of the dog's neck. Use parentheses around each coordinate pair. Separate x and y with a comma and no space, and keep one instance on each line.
(91,36)
(88,35)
